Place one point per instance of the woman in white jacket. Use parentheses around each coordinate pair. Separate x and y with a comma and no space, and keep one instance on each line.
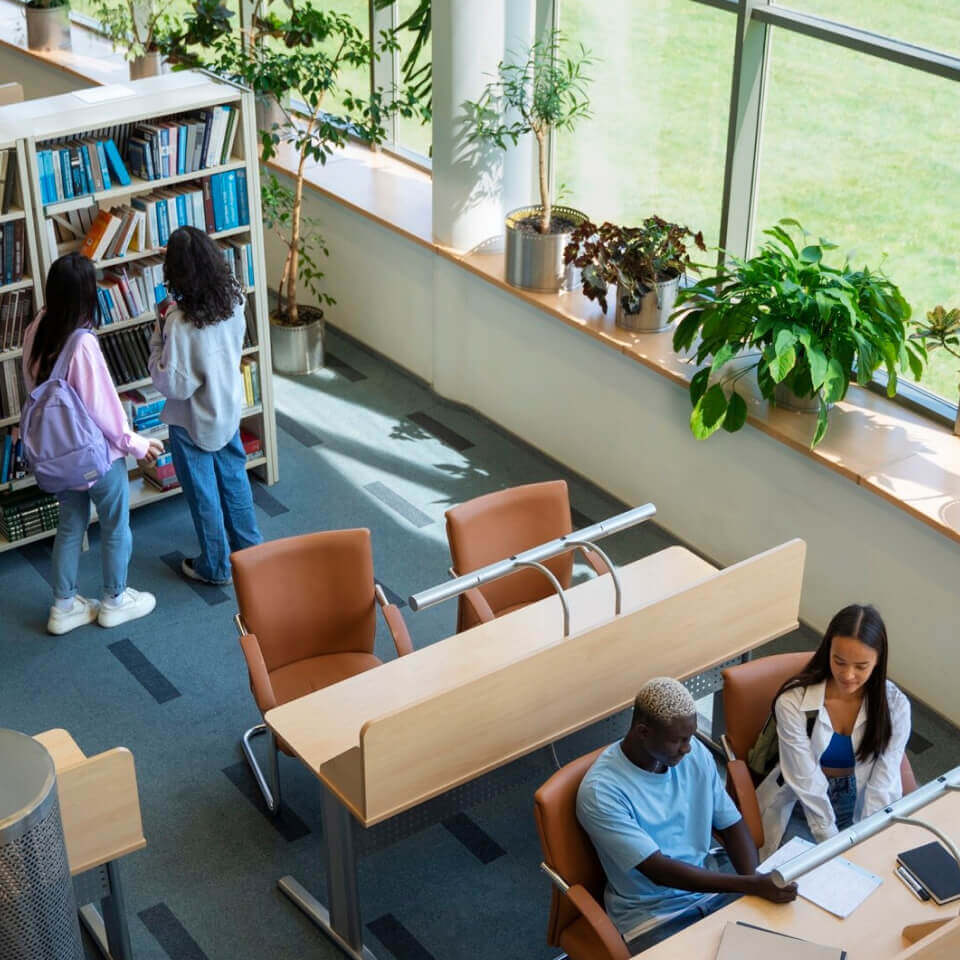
(842,729)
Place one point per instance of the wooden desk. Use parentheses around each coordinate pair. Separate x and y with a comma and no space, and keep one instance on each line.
(871,932)
(390,738)
(100,811)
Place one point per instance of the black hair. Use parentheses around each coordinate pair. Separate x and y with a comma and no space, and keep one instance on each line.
(865,624)
(199,278)
(71,302)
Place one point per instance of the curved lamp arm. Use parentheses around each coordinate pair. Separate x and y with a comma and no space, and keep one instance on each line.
(556,586)
(617,589)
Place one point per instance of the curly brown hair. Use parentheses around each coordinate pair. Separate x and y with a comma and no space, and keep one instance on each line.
(199,278)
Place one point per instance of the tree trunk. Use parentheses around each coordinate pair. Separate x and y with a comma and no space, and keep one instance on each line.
(293,312)
(281,297)
(547,212)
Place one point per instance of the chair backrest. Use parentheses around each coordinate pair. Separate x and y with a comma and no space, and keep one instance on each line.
(566,846)
(748,692)
(501,524)
(308,595)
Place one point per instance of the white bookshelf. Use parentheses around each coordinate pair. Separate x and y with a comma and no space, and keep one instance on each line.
(27,127)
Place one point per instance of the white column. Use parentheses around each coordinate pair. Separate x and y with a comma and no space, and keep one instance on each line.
(468,38)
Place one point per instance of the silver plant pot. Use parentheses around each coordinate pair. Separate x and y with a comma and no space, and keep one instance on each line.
(268,112)
(149,65)
(297,350)
(534,261)
(784,397)
(48,28)
(656,305)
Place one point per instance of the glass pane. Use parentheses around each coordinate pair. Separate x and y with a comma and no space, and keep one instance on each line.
(927,23)
(412,134)
(874,177)
(660,98)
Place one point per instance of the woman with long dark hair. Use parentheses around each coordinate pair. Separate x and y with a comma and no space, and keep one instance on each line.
(195,356)
(842,728)
(71,303)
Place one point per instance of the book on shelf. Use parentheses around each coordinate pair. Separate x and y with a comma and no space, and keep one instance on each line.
(12,391)
(126,352)
(12,250)
(16,311)
(13,464)
(71,168)
(251,443)
(27,512)
(8,179)
(238,255)
(161,474)
(250,371)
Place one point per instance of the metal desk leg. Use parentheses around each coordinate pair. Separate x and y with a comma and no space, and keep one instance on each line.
(341,923)
(110,932)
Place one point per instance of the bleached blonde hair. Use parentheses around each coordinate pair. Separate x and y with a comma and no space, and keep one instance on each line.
(661,700)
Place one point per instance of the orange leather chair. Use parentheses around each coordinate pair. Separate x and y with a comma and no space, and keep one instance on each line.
(578,923)
(307,620)
(748,691)
(499,525)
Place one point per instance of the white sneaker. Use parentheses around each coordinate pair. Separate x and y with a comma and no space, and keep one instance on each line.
(81,613)
(130,605)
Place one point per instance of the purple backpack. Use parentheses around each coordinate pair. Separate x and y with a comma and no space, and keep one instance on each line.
(63,445)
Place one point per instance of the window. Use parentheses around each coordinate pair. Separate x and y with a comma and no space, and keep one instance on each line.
(660,98)
(412,133)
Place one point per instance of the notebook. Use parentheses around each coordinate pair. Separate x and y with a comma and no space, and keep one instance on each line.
(742,941)
(935,869)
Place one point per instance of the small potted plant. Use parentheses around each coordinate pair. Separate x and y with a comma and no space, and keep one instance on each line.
(48,24)
(806,328)
(644,263)
(546,92)
(942,330)
(136,31)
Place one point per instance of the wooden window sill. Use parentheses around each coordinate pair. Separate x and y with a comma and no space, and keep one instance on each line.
(901,456)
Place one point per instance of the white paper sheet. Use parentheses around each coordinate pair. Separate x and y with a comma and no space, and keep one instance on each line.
(837,886)
(101,94)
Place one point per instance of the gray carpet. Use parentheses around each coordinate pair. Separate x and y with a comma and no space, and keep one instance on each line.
(360,445)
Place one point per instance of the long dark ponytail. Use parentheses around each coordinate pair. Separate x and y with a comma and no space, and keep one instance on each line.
(865,624)
(71,302)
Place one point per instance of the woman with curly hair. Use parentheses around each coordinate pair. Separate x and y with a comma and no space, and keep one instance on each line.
(195,362)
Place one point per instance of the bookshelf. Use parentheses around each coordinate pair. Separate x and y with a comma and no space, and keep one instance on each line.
(39,130)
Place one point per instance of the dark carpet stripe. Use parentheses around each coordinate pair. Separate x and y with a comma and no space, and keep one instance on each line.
(297,430)
(40,557)
(211,594)
(343,368)
(392,597)
(580,520)
(170,933)
(442,432)
(918,743)
(474,838)
(266,501)
(286,822)
(398,939)
(152,680)
(393,500)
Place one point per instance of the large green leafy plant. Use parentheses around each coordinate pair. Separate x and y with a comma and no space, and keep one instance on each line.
(133,30)
(794,320)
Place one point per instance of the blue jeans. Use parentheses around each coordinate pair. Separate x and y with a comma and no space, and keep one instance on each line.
(111,495)
(842,794)
(218,493)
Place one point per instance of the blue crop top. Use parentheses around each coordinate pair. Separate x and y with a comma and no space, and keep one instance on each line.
(839,753)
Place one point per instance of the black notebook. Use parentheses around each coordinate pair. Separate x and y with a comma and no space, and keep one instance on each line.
(935,869)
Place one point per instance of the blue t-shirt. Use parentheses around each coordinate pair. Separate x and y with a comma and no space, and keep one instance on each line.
(630,814)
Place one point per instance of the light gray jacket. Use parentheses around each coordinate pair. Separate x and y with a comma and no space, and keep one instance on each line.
(198,371)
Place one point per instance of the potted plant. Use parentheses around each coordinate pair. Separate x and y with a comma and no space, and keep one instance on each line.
(547,92)
(136,31)
(644,263)
(942,331)
(806,328)
(48,24)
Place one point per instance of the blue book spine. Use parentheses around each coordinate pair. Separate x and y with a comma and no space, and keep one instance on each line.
(230,195)
(43,157)
(103,307)
(145,423)
(250,280)
(183,214)
(104,166)
(66,174)
(182,148)
(108,296)
(164,459)
(146,411)
(117,167)
(163,225)
(5,469)
(159,293)
(8,253)
(87,167)
(165,151)
(243,204)
(216,191)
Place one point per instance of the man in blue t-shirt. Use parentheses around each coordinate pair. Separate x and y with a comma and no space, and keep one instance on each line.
(650,817)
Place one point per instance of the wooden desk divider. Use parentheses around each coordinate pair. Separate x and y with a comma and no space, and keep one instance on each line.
(936,940)
(421,750)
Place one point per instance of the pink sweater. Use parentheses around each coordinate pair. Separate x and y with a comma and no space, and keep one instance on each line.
(90,378)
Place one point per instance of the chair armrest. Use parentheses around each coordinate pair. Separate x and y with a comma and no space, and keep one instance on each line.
(478,604)
(741,789)
(259,677)
(398,629)
(600,923)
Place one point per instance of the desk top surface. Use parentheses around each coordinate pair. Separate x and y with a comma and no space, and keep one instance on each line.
(871,932)
(325,724)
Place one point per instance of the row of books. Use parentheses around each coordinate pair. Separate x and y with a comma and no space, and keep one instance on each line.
(127,352)
(75,168)
(13,394)
(27,512)
(143,408)
(250,370)
(12,250)
(181,145)
(130,292)
(162,474)
(16,311)
(238,255)
(8,179)
(114,233)
(13,465)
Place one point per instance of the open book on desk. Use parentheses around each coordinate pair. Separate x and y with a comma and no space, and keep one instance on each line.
(837,886)
(743,941)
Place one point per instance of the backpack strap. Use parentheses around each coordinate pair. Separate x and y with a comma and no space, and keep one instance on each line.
(62,366)
(811,721)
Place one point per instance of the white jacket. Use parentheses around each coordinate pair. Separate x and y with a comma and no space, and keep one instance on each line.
(799,776)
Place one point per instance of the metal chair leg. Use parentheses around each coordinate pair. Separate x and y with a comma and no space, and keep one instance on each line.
(271,792)
(553,753)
